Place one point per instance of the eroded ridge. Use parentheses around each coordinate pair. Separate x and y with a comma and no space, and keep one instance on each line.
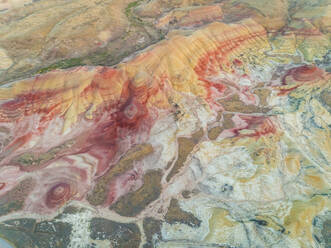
(216,136)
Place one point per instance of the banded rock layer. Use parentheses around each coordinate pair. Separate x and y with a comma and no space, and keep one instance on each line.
(217,136)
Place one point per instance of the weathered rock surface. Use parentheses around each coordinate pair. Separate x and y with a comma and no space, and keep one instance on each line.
(165,123)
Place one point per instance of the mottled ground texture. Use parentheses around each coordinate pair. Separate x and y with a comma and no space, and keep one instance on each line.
(165,123)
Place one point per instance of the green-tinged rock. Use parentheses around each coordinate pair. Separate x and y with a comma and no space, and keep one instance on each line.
(100,191)
(120,235)
(26,233)
(176,215)
(185,147)
(14,199)
(152,229)
(135,202)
